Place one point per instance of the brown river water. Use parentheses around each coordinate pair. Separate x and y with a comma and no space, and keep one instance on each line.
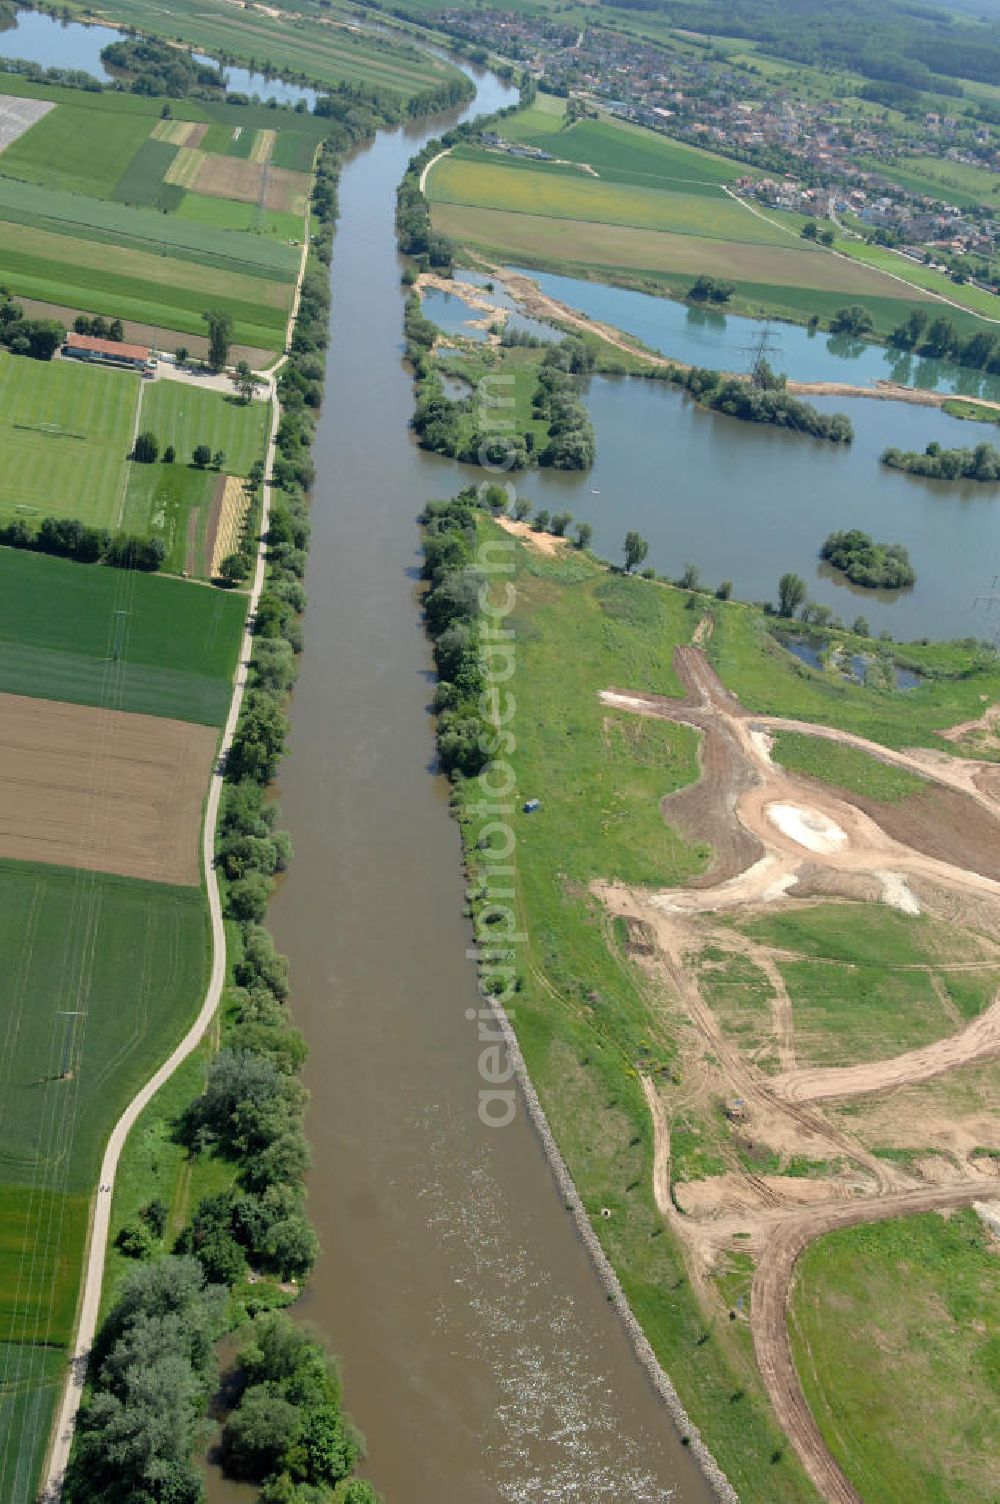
(480,1355)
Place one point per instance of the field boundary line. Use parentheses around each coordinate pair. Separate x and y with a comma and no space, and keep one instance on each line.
(128,459)
(61,1440)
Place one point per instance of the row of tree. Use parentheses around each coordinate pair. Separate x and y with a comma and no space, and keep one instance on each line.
(938,339)
(68,538)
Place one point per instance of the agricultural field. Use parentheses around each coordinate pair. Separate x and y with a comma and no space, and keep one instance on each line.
(104,937)
(129,803)
(914,273)
(907,1403)
(323,49)
(759,1037)
(66,431)
(100,976)
(103,210)
(626,204)
(59,627)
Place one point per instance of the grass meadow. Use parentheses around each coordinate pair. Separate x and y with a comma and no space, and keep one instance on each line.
(186,416)
(846,767)
(131,958)
(867,982)
(77,150)
(58,630)
(909,1409)
(66,431)
(914,272)
(585,1021)
(29,1384)
(483,180)
(160,500)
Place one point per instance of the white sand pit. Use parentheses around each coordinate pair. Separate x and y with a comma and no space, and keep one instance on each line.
(807,827)
(897,892)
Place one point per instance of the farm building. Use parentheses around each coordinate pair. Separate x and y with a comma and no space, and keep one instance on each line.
(106,351)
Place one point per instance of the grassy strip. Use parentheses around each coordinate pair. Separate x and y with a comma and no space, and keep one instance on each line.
(845,767)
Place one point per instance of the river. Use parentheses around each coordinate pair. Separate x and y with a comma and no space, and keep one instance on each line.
(480,1355)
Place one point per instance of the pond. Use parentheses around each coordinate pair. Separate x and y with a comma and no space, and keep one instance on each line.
(854,667)
(704,337)
(52,43)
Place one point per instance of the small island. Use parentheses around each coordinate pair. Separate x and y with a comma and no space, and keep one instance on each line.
(763,399)
(874,566)
(981,464)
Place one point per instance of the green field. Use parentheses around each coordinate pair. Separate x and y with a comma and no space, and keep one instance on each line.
(88,222)
(896,1335)
(186,416)
(481,179)
(227,214)
(38,1282)
(918,275)
(131,958)
(872,982)
(79,150)
(58,627)
(167,237)
(159,502)
(845,767)
(66,431)
(29,1385)
(138,285)
(957,182)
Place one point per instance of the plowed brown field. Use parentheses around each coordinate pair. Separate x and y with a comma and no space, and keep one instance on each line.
(102,789)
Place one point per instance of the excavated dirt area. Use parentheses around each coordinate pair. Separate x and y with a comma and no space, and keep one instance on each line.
(777,839)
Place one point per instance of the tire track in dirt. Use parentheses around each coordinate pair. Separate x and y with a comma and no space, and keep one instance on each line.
(753,861)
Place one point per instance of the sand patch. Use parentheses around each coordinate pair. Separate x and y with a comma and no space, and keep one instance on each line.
(807,827)
(897,893)
(546,543)
(102,789)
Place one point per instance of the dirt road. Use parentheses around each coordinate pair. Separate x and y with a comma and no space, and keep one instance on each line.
(771,831)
